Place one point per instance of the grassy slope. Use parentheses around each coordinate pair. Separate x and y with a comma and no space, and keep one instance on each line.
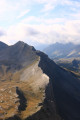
(11,82)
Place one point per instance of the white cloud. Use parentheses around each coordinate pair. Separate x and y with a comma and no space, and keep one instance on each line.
(9,10)
(39,29)
(48,7)
(76,15)
(42,33)
(23,13)
(41,20)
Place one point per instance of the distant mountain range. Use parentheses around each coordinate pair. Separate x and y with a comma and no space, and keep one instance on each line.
(34,87)
(59,50)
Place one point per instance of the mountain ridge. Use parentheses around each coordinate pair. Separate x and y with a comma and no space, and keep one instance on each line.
(47,88)
(60,50)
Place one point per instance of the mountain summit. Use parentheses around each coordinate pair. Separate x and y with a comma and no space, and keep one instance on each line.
(33,87)
(3,45)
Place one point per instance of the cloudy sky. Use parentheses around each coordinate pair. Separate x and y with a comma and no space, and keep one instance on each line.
(40,22)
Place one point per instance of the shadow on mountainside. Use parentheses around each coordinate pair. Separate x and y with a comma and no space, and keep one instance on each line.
(66,88)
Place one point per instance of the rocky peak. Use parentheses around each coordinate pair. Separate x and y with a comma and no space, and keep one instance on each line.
(3,45)
(20,43)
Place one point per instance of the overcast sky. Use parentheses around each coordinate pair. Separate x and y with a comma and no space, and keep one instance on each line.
(40,21)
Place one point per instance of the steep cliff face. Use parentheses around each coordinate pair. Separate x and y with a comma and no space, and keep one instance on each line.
(33,87)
